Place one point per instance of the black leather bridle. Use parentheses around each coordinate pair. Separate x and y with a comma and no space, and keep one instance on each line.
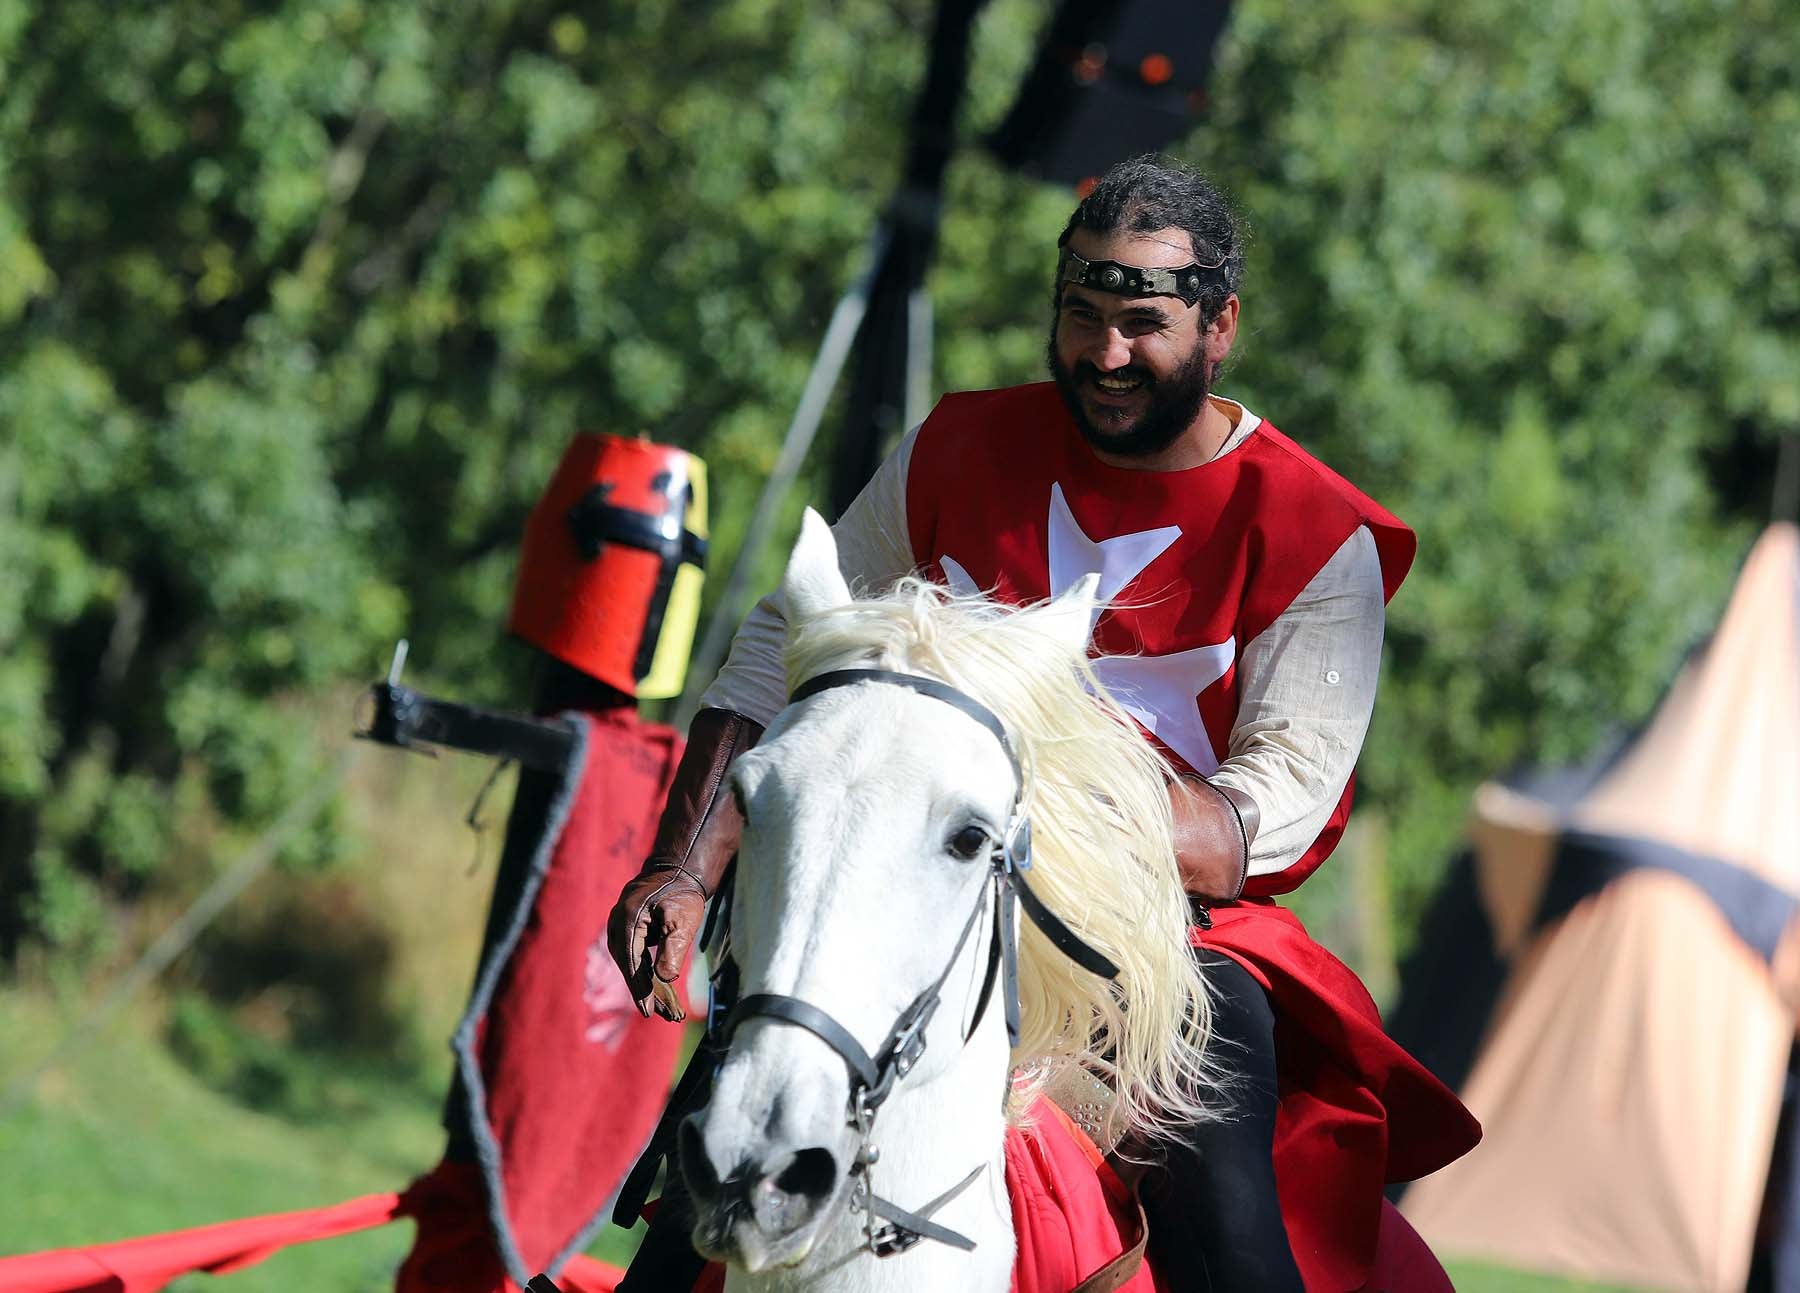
(888,1228)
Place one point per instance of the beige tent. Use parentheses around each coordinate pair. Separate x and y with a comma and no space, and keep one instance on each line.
(1614,952)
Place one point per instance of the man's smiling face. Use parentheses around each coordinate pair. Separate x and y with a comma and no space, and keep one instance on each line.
(1134,371)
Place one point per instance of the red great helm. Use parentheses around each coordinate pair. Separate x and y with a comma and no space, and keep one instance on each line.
(610,569)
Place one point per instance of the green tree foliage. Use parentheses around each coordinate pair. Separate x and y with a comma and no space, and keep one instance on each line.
(300,301)
(1527,272)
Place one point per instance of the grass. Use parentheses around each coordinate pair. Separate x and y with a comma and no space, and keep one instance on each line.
(123,1141)
(1479,1277)
(134,1135)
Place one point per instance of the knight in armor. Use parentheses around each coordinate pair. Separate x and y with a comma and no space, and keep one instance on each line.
(558,1080)
(1247,585)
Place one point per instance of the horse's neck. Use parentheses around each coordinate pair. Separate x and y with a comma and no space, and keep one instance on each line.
(929,1138)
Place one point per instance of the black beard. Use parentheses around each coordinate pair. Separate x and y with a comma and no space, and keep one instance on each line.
(1175,402)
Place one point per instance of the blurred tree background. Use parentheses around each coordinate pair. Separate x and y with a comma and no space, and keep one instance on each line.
(299,303)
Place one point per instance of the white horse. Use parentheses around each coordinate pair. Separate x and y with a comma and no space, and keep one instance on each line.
(879,813)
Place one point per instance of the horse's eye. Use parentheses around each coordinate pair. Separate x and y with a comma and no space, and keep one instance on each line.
(968,843)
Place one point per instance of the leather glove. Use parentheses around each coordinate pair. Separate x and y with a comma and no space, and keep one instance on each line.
(660,911)
(1213,829)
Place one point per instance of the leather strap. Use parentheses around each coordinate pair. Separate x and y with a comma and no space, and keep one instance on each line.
(1064,939)
(815,1021)
(924,686)
(1116,1273)
(691,1092)
(910,1227)
(872,1079)
(1060,935)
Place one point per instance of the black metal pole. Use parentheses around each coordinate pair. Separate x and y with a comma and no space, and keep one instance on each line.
(879,376)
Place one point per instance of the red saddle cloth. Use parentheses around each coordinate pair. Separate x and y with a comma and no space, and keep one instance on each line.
(1071,1212)
(1072,1215)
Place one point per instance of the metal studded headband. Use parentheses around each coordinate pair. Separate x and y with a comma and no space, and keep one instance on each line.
(1131,280)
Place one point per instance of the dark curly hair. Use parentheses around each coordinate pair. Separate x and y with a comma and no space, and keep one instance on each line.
(1149,193)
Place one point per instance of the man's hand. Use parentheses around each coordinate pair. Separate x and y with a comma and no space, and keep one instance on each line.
(661,910)
(650,932)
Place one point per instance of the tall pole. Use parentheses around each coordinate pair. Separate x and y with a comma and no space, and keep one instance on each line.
(882,326)
(887,365)
(1784,501)
(840,335)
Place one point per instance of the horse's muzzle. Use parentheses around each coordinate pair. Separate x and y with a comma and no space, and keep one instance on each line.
(762,1212)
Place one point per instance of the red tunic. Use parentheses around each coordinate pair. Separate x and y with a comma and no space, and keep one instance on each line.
(995,479)
(996,476)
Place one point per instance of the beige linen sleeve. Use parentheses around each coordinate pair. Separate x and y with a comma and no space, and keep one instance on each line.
(874,550)
(1306,691)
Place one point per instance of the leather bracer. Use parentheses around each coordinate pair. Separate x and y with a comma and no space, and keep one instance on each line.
(1214,826)
(660,911)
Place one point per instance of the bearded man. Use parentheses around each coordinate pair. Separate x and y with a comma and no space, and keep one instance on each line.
(1247,584)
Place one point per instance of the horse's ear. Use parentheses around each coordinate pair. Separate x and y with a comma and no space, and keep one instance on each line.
(813,584)
(1070,617)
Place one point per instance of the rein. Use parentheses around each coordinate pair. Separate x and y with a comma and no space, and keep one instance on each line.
(888,1228)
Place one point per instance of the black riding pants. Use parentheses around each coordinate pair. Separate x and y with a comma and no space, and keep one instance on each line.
(1215,1219)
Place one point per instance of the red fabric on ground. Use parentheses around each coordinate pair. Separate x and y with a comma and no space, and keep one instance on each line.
(453,1250)
(1356,1112)
(147,1264)
(150,1263)
(575,1077)
(586,1275)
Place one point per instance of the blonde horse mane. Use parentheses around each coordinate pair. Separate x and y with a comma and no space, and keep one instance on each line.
(1103,852)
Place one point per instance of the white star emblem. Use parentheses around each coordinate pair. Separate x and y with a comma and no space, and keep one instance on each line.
(1160,691)
(1117,561)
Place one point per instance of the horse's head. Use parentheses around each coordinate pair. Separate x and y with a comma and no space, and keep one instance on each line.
(871,814)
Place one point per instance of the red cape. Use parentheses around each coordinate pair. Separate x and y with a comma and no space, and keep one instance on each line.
(1357,1111)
